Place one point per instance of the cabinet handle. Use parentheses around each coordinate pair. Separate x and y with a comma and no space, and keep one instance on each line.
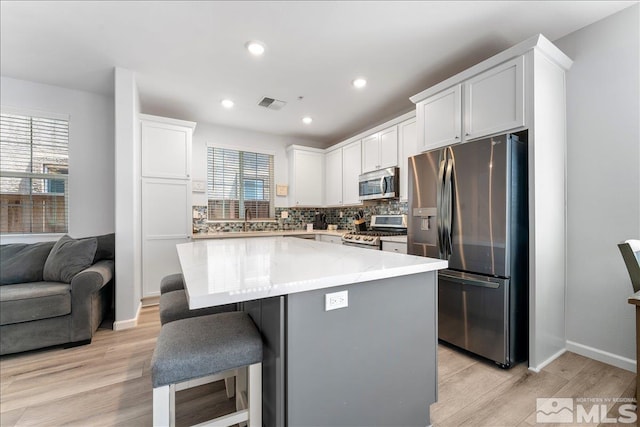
(456,137)
(467,134)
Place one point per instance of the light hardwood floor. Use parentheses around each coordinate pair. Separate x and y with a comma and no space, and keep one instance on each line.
(108,383)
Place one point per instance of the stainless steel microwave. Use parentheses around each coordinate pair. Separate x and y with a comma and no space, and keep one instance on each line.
(380,184)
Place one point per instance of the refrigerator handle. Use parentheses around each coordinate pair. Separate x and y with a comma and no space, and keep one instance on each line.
(439,204)
(448,207)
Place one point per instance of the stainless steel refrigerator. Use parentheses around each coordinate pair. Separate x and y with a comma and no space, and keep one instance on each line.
(468,204)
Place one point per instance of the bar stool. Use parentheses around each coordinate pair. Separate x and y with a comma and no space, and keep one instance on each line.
(172,282)
(174,306)
(198,350)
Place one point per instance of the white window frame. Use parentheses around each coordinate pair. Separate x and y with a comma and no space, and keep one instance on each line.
(44,236)
(248,149)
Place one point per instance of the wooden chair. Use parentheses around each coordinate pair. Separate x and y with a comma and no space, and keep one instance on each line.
(630,251)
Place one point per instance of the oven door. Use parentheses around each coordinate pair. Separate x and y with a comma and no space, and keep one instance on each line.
(360,245)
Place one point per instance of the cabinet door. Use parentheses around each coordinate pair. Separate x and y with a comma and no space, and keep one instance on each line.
(166,221)
(309,178)
(397,247)
(351,170)
(371,153)
(494,100)
(440,119)
(166,150)
(407,147)
(388,148)
(333,181)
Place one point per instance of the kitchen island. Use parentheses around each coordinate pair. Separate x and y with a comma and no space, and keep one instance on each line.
(349,335)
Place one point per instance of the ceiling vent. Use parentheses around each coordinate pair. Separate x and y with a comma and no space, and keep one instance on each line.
(272,104)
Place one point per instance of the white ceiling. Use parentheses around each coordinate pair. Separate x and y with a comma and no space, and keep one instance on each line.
(190,55)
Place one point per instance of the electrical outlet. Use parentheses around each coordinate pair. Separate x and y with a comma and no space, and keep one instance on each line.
(336,300)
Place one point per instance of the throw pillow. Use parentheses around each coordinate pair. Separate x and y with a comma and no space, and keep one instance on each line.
(106,247)
(68,258)
(23,263)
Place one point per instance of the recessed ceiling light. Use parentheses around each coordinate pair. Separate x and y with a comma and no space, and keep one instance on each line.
(307,120)
(227,103)
(254,47)
(359,83)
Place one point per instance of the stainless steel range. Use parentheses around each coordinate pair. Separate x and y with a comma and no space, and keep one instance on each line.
(381,226)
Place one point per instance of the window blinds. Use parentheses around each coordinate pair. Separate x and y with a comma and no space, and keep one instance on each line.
(34,168)
(239,182)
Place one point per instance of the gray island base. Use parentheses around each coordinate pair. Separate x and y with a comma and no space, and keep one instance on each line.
(371,363)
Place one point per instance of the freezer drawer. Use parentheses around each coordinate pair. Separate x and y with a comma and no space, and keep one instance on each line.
(473,314)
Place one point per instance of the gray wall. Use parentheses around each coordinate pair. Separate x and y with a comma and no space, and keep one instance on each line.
(91,172)
(603,184)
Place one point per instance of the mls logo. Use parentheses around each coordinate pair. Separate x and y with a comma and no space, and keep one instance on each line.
(554,410)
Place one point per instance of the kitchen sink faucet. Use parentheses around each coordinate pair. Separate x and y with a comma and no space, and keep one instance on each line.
(247,217)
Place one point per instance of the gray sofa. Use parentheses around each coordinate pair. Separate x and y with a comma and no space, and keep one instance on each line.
(54,293)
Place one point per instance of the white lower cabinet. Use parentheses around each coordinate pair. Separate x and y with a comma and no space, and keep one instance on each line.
(398,247)
(166,222)
(329,238)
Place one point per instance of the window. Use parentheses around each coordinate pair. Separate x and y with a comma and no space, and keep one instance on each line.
(34,170)
(239,182)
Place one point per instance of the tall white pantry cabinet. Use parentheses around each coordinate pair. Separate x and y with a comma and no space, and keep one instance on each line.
(165,196)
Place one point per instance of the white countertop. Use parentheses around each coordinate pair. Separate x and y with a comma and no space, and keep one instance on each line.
(222,271)
(266,233)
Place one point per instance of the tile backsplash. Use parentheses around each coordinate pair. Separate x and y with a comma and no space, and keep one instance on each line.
(299,217)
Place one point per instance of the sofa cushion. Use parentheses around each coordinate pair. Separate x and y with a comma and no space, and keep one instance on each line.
(20,262)
(106,248)
(34,301)
(69,257)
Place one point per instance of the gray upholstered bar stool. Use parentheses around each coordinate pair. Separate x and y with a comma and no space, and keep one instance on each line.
(199,350)
(172,282)
(174,306)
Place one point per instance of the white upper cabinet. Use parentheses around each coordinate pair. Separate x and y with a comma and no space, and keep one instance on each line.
(351,170)
(333,177)
(306,176)
(370,152)
(494,100)
(485,104)
(407,147)
(166,149)
(440,119)
(380,150)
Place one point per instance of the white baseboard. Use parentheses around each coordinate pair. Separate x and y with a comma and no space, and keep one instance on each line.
(602,356)
(541,366)
(121,325)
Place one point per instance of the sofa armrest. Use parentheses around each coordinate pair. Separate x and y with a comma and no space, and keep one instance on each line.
(83,286)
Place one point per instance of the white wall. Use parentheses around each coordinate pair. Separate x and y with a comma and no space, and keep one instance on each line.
(91,168)
(206,133)
(127,199)
(603,178)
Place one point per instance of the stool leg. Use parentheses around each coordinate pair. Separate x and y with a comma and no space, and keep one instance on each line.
(162,406)
(255,395)
(241,389)
(230,386)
